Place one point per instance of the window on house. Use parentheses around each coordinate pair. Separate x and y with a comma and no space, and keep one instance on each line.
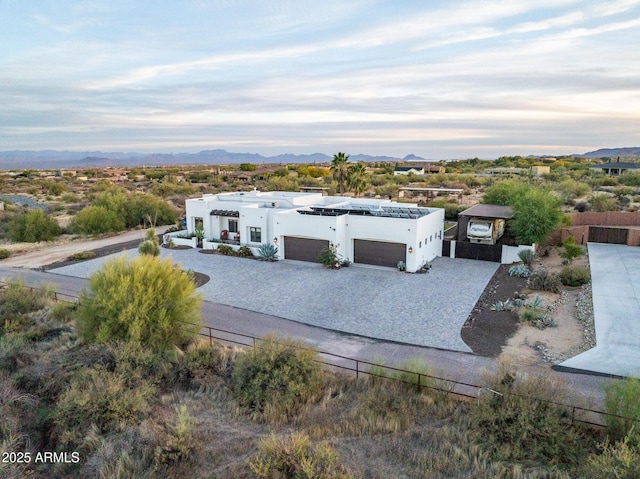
(255,234)
(420,244)
(430,237)
(233,226)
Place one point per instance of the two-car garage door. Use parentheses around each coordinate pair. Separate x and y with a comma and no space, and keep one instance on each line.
(378,253)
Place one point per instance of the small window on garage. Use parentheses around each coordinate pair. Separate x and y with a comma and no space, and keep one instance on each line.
(233,226)
(420,244)
(430,237)
(425,240)
(255,234)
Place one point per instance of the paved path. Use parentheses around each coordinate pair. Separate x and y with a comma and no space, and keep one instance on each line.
(615,277)
(423,309)
(48,255)
(460,366)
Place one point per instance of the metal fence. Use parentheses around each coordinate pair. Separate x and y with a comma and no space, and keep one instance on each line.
(360,367)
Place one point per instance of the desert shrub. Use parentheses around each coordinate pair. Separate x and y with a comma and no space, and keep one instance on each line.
(294,456)
(144,300)
(149,248)
(135,208)
(451,210)
(32,226)
(82,256)
(226,250)
(516,419)
(268,252)
(575,276)
(70,198)
(527,256)
(571,249)
(17,299)
(179,442)
(62,312)
(602,202)
(620,459)
(622,398)
(245,252)
(541,280)
(520,271)
(102,398)
(96,220)
(4,253)
(275,378)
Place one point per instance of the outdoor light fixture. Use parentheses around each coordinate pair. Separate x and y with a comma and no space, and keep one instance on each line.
(275,240)
(410,250)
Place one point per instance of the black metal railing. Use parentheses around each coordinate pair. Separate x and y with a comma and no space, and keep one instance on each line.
(359,367)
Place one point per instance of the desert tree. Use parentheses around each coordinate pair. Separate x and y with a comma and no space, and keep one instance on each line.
(340,169)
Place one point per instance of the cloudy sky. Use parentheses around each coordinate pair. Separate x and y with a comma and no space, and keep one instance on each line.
(440,79)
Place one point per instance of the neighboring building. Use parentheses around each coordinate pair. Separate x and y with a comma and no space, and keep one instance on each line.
(367,231)
(616,168)
(419,170)
(405,170)
(537,170)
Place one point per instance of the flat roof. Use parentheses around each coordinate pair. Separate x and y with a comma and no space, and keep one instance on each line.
(449,190)
(488,211)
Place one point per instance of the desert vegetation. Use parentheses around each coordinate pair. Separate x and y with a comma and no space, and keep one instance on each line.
(130,406)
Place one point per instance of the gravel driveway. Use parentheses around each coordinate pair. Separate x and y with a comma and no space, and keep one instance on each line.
(424,309)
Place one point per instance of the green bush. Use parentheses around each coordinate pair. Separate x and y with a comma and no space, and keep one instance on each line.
(622,398)
(144,300)
(150,248)
(516,420)
(571,249)
(179,442)
(541,280)
(294,456)
(102,398)
(17,299)
(245,252)
(575,276)
(4,253)
(135,209)
(96,220)
(82,256)
(618,460)
(226,250)
(33,226)
(275,378)
(70,198)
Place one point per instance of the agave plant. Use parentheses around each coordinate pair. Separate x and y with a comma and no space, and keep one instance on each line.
(268,252)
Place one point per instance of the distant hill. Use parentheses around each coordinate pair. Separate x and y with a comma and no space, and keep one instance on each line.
(50,159)
(614,152)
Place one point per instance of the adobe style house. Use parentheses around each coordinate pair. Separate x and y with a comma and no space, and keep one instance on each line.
(366,231)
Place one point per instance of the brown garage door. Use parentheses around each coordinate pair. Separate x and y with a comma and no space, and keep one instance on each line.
(379,253)
(303,249)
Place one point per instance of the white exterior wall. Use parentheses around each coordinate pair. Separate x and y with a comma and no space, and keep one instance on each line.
(423,235)
(292,223)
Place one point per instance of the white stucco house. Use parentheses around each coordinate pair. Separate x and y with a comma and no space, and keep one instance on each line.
(365,231)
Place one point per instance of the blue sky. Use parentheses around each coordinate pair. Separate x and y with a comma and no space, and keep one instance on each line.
(439,79)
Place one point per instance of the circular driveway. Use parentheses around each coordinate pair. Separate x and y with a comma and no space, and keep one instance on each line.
(423,309)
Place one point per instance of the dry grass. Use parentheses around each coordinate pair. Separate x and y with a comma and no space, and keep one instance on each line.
(138,413)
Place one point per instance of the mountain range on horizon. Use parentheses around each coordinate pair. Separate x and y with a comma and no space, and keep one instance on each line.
(51,159)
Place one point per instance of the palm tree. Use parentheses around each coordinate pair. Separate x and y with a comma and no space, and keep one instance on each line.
(357,178)
(340,169)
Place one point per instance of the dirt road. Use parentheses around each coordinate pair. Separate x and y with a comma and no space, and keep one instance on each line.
(48,255)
